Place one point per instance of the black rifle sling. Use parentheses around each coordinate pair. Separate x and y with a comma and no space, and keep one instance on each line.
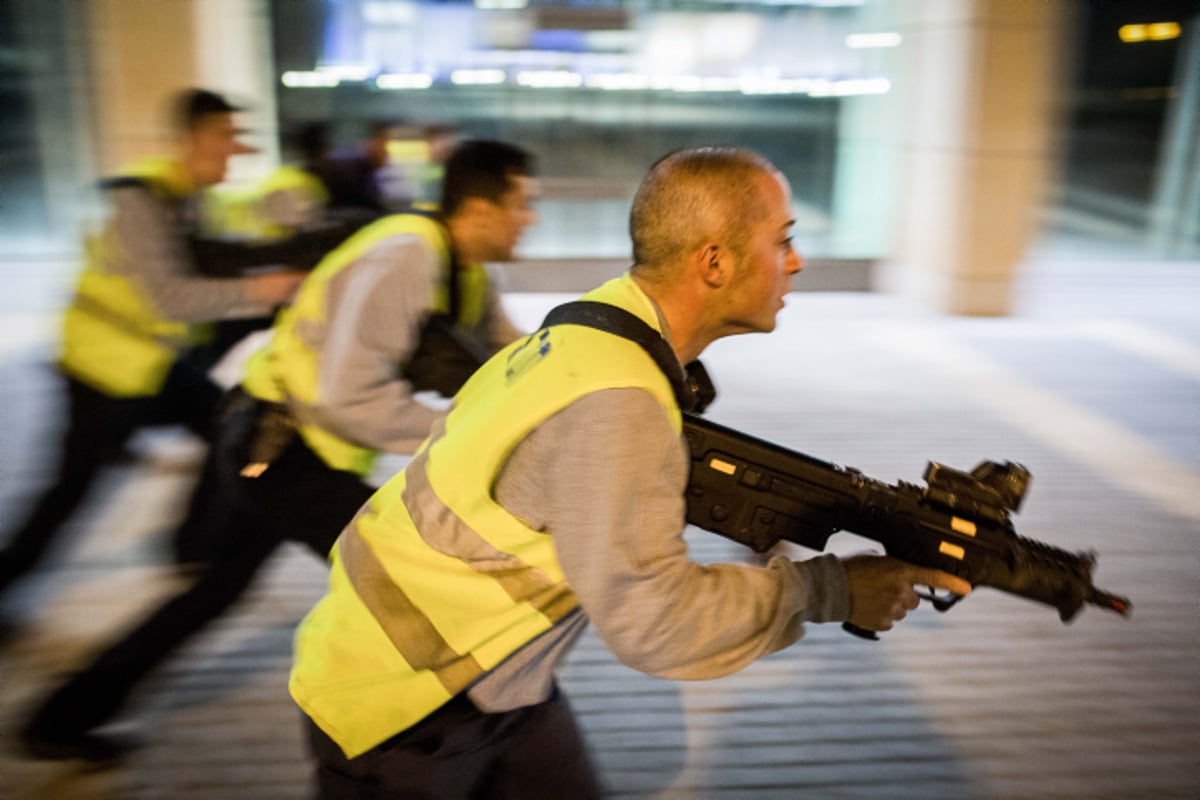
(693,389)
(446,355)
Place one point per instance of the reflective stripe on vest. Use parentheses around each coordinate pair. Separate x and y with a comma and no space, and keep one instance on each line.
(412,634)
(434,583)
(288,370)
(113,339)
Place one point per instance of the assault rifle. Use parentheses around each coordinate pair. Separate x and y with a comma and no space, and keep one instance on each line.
(757,493)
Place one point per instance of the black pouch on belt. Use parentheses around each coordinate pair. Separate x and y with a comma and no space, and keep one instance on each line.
(261,432)
(251,434)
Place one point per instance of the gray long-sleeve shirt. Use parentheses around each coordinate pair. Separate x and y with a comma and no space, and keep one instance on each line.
(145,242)
(606,478)
(375,310)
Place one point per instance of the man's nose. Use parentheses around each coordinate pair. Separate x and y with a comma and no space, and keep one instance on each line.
(795,262)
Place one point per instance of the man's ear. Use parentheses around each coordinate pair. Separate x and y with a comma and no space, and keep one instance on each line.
(473,208)
(711,262)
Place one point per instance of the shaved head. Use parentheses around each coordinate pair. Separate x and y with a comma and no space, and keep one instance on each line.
(691,197)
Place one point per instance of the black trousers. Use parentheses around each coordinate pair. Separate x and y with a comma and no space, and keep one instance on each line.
(462,753)
(298,498)
(99,424)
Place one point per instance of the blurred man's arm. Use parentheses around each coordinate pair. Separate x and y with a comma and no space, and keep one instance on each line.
(147,247)
(375,318)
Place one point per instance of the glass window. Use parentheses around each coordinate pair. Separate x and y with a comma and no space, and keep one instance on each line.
(42,146)
(1130,169)
(596,91)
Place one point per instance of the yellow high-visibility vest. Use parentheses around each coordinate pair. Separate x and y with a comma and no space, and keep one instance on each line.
(242,211)
(434,583)
(288,370)
(113,338)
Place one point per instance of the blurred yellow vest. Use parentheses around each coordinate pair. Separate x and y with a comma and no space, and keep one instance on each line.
(246,211)
(113,338)
(288,369)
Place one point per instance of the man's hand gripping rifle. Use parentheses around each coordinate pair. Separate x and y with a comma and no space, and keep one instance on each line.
(758,493)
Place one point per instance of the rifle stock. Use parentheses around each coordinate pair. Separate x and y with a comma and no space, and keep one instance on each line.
(758,493)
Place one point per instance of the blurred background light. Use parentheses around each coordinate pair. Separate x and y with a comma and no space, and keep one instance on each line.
(1151,32)
(549,79)
(305,79)
(416,80)
(862,41)
(478,77)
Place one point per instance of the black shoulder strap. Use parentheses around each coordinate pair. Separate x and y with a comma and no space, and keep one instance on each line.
(693,389)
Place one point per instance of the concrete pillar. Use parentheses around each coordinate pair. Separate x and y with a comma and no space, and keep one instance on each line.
(234,54)
(143,51)
(978,82)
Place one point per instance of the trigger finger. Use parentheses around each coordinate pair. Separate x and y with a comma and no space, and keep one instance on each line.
(936,579)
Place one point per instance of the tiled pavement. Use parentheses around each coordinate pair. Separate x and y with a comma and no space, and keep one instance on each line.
(1094,385)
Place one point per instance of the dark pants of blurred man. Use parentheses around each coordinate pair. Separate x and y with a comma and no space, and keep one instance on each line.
(249,519)
(98,426)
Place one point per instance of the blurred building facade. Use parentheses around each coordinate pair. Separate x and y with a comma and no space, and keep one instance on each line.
(939,142)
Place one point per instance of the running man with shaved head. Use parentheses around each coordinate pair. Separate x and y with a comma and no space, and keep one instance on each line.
(552,495)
